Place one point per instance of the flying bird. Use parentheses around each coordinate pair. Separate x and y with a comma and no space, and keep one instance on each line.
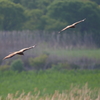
(72,25)
(20,52)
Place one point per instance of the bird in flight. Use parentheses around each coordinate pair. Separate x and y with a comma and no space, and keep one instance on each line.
(20,52)
(72,25)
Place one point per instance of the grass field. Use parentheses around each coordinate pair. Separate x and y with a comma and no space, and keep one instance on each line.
(68,53)
(88,53)
(81,57)
(47,82)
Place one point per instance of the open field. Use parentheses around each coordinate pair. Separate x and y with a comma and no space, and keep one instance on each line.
(47,82)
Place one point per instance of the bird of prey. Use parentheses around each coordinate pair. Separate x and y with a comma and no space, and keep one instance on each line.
(20,52)
(72,25)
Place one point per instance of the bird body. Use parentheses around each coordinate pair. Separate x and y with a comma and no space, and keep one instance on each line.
(72,25)
(20,52)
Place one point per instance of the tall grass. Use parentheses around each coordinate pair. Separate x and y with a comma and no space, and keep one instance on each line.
(15,40)
(75,93)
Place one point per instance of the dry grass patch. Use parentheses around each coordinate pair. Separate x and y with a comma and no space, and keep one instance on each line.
(75,93)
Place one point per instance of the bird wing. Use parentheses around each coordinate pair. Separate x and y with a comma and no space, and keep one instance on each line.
(22,50)
(69,26)
(10,55)
(65,28)
(17,52)
(79,21)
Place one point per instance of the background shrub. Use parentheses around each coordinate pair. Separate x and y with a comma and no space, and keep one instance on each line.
(4,67)
(17,65)
(38,62)
(61,66)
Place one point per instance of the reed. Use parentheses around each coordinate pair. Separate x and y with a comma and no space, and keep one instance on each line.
(75,93)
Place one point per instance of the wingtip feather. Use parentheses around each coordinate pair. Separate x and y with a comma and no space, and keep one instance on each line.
(34,46)
(59,32)
(4,58)
(84,19)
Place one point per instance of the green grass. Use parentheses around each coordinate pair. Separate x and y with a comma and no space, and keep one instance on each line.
(48,80)
(88,53)
(62,52)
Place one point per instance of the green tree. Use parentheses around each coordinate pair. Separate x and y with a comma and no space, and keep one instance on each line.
(42,4)
(72,11)
(34,4)
(11,15)
(92,12)
(97,1)
(30,4)
(52,24)
(16,1)
(33,19)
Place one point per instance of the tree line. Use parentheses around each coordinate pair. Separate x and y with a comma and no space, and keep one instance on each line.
(50,15)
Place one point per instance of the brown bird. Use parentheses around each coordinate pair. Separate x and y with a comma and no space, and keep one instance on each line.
(72,25)
(20,52)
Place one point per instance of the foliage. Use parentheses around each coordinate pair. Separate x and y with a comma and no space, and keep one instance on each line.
(74,66)
(17,65)
(12,15)
(52,24)
(97,66)
(49,14)
(38,62)
(33,19)
(97,1)
(33,4)
(4,67)
(15,1)
(63,10)
(64,65)
(30,4)
(49,80)
(61,66)
(42,4)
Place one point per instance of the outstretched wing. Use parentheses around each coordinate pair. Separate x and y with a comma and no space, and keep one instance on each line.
(79,21)
(72,25)
(10,55)
(65,28)
(22,50)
